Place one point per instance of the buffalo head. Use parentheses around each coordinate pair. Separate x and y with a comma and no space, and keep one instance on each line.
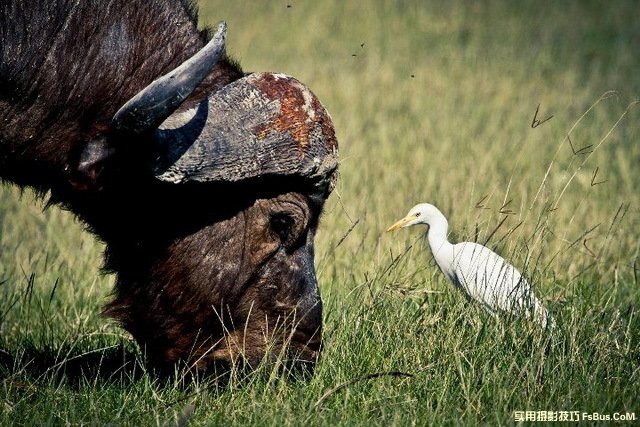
(216,263)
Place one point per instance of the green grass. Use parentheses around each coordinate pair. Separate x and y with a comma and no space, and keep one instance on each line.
(431,102)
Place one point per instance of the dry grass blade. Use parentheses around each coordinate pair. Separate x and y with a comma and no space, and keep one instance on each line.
(346,384)
(342,239)
(495,230)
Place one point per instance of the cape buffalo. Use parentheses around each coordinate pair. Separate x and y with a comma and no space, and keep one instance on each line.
(204,182)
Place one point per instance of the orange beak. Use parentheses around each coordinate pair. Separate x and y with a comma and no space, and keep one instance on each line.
(402,223)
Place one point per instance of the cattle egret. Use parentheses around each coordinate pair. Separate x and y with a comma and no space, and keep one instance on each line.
(484,275)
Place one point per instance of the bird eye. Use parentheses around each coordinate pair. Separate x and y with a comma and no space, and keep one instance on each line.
(417,214)
(281,224)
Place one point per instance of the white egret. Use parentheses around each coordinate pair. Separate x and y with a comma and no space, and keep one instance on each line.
(484,275)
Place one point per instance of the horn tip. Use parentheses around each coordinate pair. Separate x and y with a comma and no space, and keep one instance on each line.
(221,31)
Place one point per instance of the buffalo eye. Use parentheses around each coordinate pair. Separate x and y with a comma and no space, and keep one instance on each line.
(282,225)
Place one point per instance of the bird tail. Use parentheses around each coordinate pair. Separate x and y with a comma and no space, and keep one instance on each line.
(541,315)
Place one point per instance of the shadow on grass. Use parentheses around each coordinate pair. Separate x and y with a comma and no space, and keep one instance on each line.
(119,364)
(123,365)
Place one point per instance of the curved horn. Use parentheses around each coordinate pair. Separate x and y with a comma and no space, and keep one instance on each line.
(264,124)
(152,105)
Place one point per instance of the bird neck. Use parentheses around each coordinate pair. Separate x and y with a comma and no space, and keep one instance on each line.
(437,240)
(441,248)
(437,234)
(438,228)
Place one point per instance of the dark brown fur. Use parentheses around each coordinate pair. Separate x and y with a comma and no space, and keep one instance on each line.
(67,66)
(205,273)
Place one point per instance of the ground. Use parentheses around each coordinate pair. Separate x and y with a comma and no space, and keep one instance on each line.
(444,103)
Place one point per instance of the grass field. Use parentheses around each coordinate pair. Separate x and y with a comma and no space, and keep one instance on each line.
(431,102)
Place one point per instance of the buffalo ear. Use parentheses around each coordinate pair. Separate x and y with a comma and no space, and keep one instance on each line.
(93,162)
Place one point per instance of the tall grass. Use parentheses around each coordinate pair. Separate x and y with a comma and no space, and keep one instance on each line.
(432,103)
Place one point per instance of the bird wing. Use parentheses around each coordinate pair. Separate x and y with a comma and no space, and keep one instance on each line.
(488,278)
